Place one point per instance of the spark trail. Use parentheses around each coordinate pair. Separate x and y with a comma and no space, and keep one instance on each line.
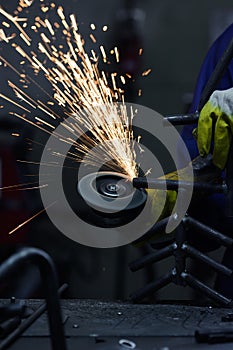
(83,98)
(87,96)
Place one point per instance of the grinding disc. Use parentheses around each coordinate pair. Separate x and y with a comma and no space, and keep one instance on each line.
(110,192)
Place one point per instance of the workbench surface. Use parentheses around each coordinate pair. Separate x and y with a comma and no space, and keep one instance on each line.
(95,324)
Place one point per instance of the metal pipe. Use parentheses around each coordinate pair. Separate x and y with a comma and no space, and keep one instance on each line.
(143,182)
(201,287)
(152,287)
(28,322)
(7,326)
(50,284)
(180,257)
(208,231)
(194,253)
(182,119)
(152,258)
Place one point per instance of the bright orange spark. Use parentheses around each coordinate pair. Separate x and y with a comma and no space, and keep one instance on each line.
(81,91)
(30,219)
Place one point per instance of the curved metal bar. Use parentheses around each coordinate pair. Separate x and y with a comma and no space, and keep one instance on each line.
(50,285)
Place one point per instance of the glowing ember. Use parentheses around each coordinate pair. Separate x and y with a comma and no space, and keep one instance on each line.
(25,3)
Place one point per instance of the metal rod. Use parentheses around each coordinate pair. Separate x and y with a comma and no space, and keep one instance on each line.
(182,119)
(152,287)
(194,253)
(8,326)
(49,278)
(180,258)
(201,287)
(208,231)
(152,258)
(143,182)
(28,322)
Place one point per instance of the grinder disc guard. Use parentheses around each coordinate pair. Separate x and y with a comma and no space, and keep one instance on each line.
(110,199)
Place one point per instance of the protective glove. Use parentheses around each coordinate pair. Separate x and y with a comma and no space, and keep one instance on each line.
(203,171)
(216,123)
(156,198)
(157,205)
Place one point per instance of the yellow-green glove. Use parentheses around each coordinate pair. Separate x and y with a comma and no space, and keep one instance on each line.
(156,196)
(157,205)
(216,123)
(156,201)
(159,210)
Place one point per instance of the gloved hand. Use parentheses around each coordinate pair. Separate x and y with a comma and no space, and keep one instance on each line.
(159,210)
(203,171)
(156,199)
(216,123)
(157,205)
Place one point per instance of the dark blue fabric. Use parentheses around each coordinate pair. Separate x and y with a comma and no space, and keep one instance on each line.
(210,61)
(209,210)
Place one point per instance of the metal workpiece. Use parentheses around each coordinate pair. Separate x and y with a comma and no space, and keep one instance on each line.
(152,287)
(174,185)
(208,231)
(205,290)
(179,254)
(181,250)
(181,119)
(196,254)
(153,257)
(49,278)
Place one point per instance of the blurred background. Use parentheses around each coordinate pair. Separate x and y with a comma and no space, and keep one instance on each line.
(175,36)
